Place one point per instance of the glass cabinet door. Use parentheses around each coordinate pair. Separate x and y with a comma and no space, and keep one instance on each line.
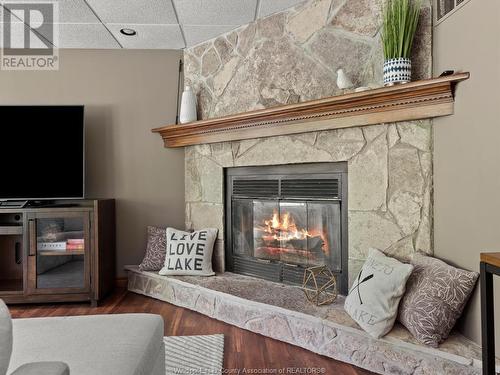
(58,252)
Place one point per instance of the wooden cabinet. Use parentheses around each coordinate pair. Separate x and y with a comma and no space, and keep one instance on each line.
(57,253)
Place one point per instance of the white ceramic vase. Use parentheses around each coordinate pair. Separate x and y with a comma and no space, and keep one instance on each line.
(188,106)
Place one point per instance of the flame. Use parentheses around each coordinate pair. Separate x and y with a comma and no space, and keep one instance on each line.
(283,228)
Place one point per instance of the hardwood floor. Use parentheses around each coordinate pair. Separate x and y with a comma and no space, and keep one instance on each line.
(243,349)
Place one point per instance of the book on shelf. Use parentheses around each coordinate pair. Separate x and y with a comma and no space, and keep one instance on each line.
(75,244)
(75,241)
(75,247)
(51,246)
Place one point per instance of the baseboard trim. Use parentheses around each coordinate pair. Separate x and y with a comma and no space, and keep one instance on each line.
(121,282)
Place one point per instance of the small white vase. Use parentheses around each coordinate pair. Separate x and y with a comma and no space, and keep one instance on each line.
(188,106)
(397,71)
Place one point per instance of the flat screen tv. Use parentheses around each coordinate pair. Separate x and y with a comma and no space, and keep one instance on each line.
(42,152)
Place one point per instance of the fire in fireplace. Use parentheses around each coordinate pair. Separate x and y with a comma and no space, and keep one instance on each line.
(283,219)
(280,238)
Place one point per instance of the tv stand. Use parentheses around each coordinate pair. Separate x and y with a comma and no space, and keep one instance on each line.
(36,204)
(64,252)
(13,204)
(50,204)
(40,203)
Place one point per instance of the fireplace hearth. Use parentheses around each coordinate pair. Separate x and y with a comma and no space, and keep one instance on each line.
(281,220)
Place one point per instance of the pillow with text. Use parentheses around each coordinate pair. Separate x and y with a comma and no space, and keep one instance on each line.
(189,253)
(375,294)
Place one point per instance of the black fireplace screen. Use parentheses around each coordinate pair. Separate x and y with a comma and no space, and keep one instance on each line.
(283,219)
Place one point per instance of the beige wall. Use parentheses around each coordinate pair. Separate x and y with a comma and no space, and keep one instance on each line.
(467,147)
(125,93)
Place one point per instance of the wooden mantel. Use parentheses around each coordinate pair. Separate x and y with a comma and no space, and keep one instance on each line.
(412,101)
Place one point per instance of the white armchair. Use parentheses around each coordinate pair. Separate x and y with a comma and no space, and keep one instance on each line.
(36,368)
(43,368)
(121,344)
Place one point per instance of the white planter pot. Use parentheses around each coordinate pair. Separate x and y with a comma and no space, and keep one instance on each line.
(397,71)
(188,106)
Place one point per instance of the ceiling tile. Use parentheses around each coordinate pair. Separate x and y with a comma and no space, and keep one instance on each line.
(149,36)
(155,21)
(134,11)
(85,35)
(198,34)
(73,11)
(268,7)
(220,12)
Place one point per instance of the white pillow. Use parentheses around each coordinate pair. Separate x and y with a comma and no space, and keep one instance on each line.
(5,338)
(189,253)
(375,294)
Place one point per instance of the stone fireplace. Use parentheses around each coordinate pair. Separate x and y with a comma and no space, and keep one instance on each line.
(389,175)
(281,220)
(292,57)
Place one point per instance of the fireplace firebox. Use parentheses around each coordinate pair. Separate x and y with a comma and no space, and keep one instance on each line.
(283,219)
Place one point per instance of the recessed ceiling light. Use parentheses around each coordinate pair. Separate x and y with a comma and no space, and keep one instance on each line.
(128,32)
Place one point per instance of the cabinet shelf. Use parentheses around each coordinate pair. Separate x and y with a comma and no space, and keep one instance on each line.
(60,253)
(11,230)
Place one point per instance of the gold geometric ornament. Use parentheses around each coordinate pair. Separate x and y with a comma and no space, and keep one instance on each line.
(320,285)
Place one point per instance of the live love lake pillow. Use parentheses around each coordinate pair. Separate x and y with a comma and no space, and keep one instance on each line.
(155,250)
(189,253)
(435,297)
(375,294)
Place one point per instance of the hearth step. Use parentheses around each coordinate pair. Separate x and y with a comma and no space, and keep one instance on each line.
(282,312)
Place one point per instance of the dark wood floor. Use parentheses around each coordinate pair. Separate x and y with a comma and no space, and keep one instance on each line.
(243,349)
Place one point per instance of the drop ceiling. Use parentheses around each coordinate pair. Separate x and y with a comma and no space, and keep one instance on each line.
(160,24)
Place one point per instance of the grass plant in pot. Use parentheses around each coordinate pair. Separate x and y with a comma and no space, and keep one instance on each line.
(400,20)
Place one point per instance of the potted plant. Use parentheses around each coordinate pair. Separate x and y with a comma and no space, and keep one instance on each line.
(400,20)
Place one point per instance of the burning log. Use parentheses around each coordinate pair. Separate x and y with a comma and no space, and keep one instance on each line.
(313,244)
(306,251)
(279,238)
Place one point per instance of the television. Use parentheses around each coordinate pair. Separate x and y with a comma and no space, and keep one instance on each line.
(42,153)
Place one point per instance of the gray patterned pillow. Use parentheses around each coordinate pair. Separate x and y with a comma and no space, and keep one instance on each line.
(155,250)
(436,294)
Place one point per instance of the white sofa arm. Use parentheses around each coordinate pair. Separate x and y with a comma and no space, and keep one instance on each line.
(43,368)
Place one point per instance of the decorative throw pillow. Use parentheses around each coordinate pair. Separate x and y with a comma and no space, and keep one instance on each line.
(155,250)
(189,253)
(5,337)
(375,294)
(435,297)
